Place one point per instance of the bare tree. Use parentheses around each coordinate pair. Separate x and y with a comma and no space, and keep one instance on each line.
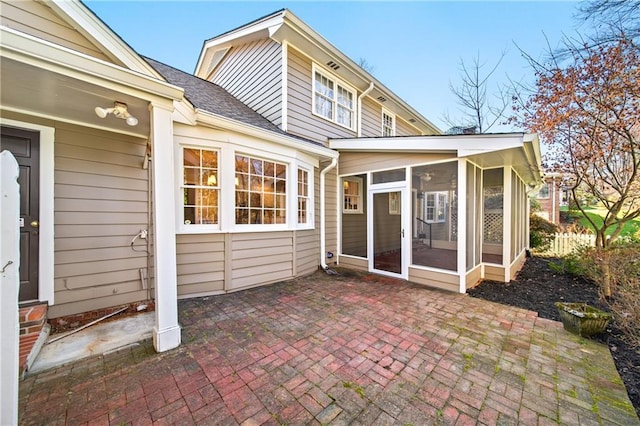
(479,110)
(366,65)
(612,18)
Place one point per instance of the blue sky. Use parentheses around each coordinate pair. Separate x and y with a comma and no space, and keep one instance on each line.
(415,47)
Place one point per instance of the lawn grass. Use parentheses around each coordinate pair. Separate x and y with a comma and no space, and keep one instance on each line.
(597,215)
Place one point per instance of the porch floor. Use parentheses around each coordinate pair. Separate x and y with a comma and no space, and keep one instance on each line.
(424,256)
(350,349)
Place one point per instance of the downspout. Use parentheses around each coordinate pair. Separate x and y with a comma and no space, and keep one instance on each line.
(362,95)
(323,242)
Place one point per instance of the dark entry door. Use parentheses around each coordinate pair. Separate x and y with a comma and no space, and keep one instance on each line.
(25,147)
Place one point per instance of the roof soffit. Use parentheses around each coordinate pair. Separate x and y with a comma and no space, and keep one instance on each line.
(80,17)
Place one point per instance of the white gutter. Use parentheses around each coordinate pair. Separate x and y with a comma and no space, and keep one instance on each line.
(365,93)
(323,242)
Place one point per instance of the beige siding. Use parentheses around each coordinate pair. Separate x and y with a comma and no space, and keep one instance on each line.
(434,279)
(352,163)
(404,128)
(307,243)
(371,118)
(200,262)
(354,263)
(493,273)
(253,74)
(473,277)
(301,121)
(100,204)
(331,217)
(39,20)
(260,258)
(516,265)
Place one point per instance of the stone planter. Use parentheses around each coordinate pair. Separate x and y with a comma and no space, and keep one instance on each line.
(582,319)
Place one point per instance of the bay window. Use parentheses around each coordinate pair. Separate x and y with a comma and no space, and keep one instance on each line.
(261,191)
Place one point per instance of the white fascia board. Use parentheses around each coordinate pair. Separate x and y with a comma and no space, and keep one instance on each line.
(206,117)
(462,144)
(85,21)
(40,53)
(264,28)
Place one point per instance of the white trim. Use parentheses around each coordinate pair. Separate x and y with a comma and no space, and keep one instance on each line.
(39,53)
(315,68)
(46,214)
(284,108)
(206,117)
(393,123)
(506,222)
(86,22)
(310,224)
(359,181)
(226,159)
(462,223)
(404,246)
(166,332)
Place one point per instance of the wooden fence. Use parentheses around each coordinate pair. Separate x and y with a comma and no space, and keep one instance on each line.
(565,243)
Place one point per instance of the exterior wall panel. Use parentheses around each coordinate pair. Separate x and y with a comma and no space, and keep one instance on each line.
(100,204)
(200,263)
(39,20)
(253,74)
(260,258)
(301,120)
(434,279)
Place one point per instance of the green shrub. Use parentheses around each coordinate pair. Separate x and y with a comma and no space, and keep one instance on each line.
(541,232)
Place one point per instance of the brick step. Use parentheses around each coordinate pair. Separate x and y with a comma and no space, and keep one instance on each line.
(34,331)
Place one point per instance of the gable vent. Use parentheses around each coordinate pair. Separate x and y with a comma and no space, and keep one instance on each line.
(412,120)
(333,65)
(382,99)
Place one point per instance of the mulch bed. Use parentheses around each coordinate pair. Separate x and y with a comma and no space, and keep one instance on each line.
(537,288)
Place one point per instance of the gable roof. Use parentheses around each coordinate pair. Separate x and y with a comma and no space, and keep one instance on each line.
(210,97)
(283,25)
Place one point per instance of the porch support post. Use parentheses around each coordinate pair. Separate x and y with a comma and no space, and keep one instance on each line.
(462,224)
(506,224)
(9,285)
(166,332)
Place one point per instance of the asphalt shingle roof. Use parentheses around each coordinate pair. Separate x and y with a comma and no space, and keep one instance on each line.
(210,97)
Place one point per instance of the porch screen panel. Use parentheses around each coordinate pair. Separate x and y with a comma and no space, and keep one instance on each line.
(354,216)
(474,216)
(518,216)
(434,244)
(493,215)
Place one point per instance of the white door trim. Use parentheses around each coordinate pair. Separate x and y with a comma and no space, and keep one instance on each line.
(405,225)
(45,265)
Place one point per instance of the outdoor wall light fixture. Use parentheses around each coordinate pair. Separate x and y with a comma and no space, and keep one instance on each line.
(119,110)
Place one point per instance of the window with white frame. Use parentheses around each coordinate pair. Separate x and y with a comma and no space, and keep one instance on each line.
(435,207)
(333,100)
(261,191)
(303,197)
(388,124)
(200,186)
(352,195)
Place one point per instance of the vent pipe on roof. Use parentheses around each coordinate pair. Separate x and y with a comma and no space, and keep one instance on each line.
(362,95)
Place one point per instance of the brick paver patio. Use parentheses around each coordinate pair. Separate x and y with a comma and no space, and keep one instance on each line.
(353,349)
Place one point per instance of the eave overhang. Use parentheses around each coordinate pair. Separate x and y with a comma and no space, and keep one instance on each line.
(520,151)
(218,121)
